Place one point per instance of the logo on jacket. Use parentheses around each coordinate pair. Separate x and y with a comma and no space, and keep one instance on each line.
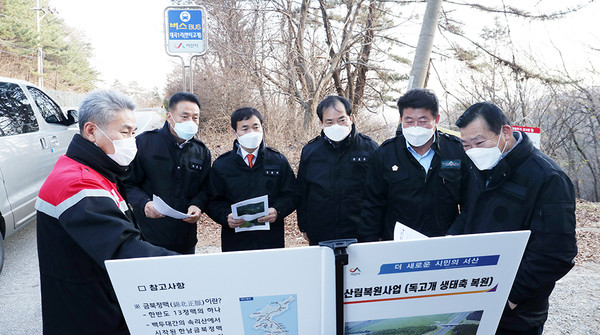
(355,271)
(454,164)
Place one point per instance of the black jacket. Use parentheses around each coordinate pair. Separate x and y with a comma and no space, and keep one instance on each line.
(399,189)
(179,176)
(526,191)
(331,179)
(232,180)
(83,220)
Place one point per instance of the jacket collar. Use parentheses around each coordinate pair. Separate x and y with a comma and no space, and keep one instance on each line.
(435,146)
(166,131)
(343,144)
(259,156)
(87,153)
(511,161)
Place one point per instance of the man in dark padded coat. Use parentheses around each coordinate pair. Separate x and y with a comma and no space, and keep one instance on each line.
(332,173)
(83,219)
(416,178)
(174,165)
(514,186)
(248,171)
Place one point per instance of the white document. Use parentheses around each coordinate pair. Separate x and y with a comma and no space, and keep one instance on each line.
(403,232)
(166,210)
(250,210)
(226,292)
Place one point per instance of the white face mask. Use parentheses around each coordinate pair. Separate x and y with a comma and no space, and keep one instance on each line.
(486,158)
(336,132)
(125,150)
(250,140)
(185,130)
(417,136)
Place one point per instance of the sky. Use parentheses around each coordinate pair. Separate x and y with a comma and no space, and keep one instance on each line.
(128,37)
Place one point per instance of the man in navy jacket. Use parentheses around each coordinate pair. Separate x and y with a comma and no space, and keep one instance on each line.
(514,186)
(174,165)
(248,171)
(332,174)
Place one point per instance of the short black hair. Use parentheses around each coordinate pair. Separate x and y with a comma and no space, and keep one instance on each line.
(419,98)
(242,114)
(491,114)
(183,96)
(331,101)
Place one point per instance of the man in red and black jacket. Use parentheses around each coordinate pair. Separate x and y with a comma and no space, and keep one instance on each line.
(83,220)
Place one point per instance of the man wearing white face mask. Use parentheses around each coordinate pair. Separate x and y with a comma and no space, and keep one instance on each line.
(83,219)
(332,173)
(416,178)
(514,186)
(174,165)
(250,170)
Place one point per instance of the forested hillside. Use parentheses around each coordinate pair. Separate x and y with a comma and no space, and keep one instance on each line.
(66,52)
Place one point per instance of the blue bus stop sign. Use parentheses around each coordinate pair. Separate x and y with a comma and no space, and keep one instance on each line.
(184,28)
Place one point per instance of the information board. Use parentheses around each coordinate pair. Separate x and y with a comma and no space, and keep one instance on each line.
(435,285)
(431,286)
(282,291)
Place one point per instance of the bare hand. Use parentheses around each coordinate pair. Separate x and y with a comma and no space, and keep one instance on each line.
(271,217)
(194,212)
(150,212)
(234,223)
(305,237)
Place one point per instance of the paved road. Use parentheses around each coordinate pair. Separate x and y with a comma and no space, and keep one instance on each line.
(148,119)
(20,311)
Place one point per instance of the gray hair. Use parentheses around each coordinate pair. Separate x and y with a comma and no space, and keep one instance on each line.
(101,107)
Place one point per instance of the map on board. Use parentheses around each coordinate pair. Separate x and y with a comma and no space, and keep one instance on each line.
(270,315)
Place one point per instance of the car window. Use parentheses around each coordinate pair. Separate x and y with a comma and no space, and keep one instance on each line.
(16,115)
(49,109)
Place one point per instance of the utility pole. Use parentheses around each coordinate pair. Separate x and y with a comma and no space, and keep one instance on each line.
(420,66)
(40,52)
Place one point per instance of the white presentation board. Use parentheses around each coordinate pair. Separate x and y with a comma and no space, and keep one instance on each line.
(431,285)
(279,291)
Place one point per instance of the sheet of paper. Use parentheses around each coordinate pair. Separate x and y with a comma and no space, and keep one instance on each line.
(403,232)
(250,210)
(166,210)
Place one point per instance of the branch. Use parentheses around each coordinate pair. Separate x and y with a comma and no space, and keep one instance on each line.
(509,10)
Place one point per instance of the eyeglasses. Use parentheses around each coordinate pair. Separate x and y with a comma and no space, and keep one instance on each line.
(475,143)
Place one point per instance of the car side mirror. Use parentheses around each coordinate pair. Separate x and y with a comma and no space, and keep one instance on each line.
(72,117)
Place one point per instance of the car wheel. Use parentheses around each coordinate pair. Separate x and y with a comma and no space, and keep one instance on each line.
(1,252)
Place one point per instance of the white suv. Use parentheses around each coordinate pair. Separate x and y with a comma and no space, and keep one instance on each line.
(34,132)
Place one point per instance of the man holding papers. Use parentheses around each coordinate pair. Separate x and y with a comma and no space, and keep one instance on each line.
(251,170)
(173,165)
